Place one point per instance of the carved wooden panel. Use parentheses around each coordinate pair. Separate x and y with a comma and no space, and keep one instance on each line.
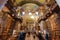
(58,32)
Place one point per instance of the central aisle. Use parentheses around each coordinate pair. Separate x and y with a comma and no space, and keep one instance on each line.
(31,37)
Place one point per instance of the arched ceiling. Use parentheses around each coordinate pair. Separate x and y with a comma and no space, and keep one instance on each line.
(29,1)
(42,1)
(30,6)
(12,3)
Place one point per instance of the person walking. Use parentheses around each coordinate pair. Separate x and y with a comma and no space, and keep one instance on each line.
(46,34)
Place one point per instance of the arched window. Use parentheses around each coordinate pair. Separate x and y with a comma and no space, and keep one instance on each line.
(58,2)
